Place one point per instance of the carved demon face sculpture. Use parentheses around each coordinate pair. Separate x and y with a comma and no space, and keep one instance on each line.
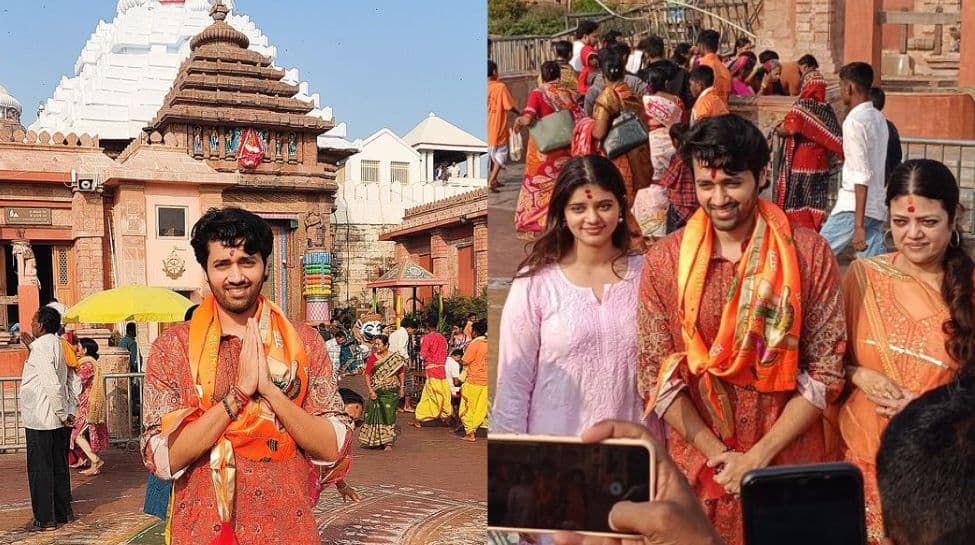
(371,326)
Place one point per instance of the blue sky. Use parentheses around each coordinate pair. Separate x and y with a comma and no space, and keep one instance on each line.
(377,63)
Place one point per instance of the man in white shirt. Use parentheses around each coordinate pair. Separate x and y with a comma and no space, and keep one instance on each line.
(399,341)
(334,348)
(586,34)
(860,211)
(46,409)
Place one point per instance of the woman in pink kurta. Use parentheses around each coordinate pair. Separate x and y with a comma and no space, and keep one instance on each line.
(90,431)
(567,357)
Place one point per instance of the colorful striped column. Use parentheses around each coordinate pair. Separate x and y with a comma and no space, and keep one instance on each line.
(317,272)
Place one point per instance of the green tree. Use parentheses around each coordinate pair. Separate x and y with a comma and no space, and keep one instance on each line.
(455,310)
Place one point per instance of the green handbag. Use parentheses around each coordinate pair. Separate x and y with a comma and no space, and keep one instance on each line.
(553,131)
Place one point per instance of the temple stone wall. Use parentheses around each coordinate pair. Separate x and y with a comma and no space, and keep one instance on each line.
(796,27)
(358,256)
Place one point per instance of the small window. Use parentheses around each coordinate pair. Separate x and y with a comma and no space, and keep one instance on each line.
(171,221)
(399,172)
(370,171)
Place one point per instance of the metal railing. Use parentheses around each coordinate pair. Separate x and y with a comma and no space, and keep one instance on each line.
(959,157)
(124,426)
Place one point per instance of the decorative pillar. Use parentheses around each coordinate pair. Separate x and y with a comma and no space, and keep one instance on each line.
(470,165)
(480,255)
(438,257)
(317,269)
(477,168)
(863,40)
(966,67)
(428,157)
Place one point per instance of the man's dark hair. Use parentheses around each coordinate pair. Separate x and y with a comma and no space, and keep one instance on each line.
(479,327)
(472,315)
(231,226)
(49,319)
(652,46)
(586,27)
(563,49)
(710,40)
(350,396)
(727,142)
(492,68)
(926,468)
(340,333)
(703,74)
(878,97)
(430,322)
(623,49)
(408,322)
(457,352)
(677,131)
(130,329)
(611,37)
(860,74)
(808,60)
(767,55)
(682,52)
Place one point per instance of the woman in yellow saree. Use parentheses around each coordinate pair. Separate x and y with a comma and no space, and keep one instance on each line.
(385,376)
(909,316)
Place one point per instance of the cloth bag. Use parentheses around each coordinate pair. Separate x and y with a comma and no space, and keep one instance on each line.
(553,131)
(516,148)
(627,133)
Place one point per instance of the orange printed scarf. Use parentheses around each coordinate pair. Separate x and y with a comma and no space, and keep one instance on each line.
(758,339)
(255,434)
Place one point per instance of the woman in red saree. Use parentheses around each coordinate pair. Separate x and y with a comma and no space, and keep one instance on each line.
(541,169)
(811,132)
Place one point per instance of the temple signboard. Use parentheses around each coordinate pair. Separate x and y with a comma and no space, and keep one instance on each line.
(27,216)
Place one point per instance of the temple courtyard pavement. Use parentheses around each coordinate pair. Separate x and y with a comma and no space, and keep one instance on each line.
(429,490)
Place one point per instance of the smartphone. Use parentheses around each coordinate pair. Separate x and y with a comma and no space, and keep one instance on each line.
(544,484)
(807,504)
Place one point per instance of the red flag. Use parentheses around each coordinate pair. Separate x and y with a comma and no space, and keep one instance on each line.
(251,150)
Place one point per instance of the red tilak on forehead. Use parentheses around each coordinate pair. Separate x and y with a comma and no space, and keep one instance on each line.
(910,204)
(714,173)
(233,251)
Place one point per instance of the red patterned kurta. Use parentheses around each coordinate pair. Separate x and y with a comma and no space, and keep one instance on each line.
(821,347)
(272,504)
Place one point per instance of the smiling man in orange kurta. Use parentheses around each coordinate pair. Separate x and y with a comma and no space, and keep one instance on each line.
(741,327)
(241,404)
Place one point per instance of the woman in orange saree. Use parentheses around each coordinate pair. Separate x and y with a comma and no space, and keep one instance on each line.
(541,169)
(909,316)
(636,166)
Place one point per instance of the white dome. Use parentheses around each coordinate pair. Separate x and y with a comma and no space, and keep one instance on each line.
(8,101)
(194,5)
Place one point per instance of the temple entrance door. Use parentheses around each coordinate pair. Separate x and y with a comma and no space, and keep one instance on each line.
(276,287)
(45,274)
(465,270)
(63,275)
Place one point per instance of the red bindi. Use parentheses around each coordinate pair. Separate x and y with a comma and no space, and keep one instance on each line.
(589,194)
(910,204)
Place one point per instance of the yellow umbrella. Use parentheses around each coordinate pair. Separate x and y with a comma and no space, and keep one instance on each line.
(138,303)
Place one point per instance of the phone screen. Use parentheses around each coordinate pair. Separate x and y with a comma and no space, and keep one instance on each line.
(562,486)
(803,505)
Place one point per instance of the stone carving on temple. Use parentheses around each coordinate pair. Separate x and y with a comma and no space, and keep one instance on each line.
(26,264)
(174,265)
(214,142)
(277,147)
(197,141)
(292,147)
(228,143)
(314,230)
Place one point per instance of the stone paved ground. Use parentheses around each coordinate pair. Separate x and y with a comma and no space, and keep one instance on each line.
(429,489)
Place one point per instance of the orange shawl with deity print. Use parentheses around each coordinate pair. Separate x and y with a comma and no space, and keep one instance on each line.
(758,340)
(255,434)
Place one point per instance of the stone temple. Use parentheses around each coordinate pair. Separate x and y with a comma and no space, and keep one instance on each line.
(174,107)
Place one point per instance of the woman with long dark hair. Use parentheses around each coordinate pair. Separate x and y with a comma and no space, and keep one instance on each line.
(910,315)
(568,343)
